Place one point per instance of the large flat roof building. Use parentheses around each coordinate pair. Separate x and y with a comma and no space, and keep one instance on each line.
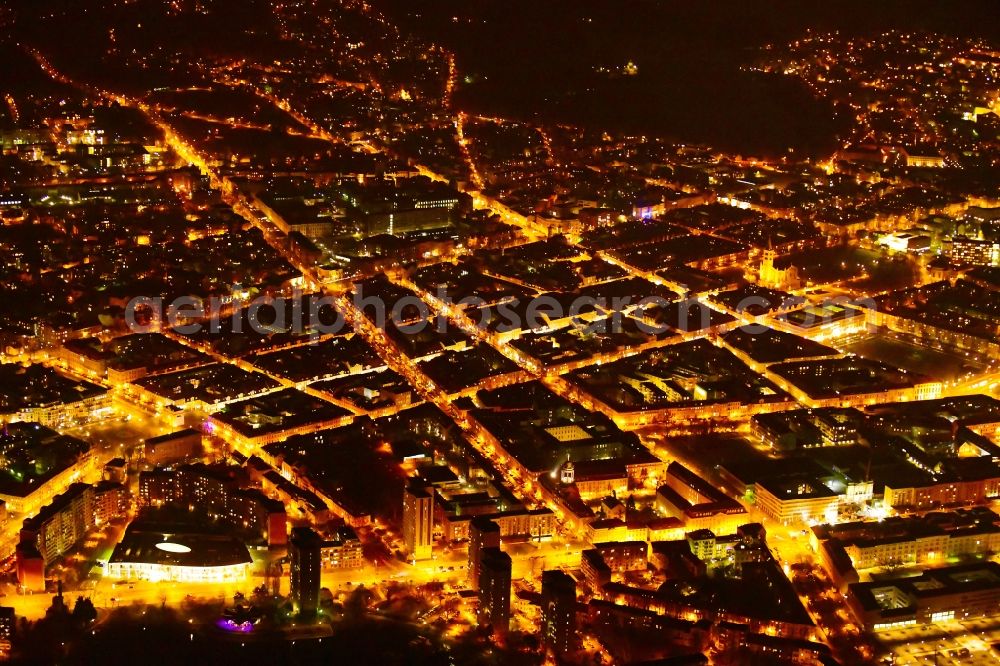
(156,552)
(938,595)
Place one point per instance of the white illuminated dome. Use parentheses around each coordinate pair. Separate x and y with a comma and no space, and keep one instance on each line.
(170,547)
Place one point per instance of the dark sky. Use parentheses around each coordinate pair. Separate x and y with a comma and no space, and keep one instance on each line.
(533,58)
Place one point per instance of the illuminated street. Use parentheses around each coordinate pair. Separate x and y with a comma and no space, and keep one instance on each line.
(370,331)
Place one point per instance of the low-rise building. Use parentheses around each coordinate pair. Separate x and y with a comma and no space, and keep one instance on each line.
(697,503)
(795,500)
(342,550)
(519,524)
(938,595)
(931,539)
(599,563)
(945,490)
(145,553)
(172,447)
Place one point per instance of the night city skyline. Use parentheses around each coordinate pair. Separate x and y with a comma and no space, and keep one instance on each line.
(475,332)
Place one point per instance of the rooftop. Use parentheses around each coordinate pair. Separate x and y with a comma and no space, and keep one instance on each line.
(176,545)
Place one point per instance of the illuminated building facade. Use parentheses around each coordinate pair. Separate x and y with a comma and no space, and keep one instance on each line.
(41,395)
(595,570)
(483,534)
(535,523)
(156,572)
(154,553)
(920,157)
(418,521)
(30,567)
(610,619)
(343,550)
(797,500)
(210,490)
(965,250)
(8,620)
(35,497)
(59,526)
(938,595)
(111,501)
(904,541)
(599,563)
(697,503)
(773,277)
(942,493)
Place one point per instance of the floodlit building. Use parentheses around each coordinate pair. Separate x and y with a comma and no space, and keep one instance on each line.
(965,250)
(773,277)
(930,539)
(938,595)
(150,552)
(793,500)
(483,534)
(418,521)
(697,503)
(60,525)
(343,550)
